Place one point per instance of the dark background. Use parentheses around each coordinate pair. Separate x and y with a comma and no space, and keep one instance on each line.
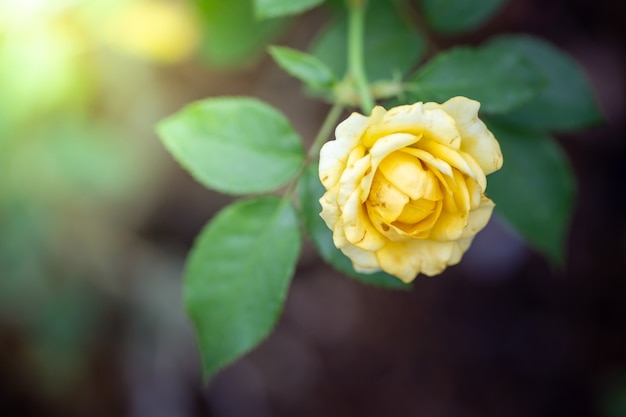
(501,334)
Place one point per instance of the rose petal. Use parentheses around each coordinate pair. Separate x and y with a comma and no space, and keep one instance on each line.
(334,154)
(478,218)
(357,165)
(479,175)
(377,115)
(414,119)
(461,194)
(386,199)
(437,165)
(408,175)
(450,156)
(409,258)
(453,218)
(417,210)
(477,140)
(475,194)
(330,211)
(382,226)
(362,260)
(449,227)
(460,247)
(383,147)
(421,229)
(358,227)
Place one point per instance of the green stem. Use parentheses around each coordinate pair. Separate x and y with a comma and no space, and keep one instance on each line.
(322,136)
(356,62)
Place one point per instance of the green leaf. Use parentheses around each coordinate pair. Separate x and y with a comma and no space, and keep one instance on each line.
(275,8)
(567,102)
(534,190)
(499,79)
(454,16)
(392,46)
(234,144)
(237,276)
(232,35)
(307,68)
(310,191)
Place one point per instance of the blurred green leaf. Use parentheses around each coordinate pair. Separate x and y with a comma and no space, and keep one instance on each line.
(453,16)
(307,68)
(235,145)
(567,102)
(27,231)
(73,159)
(535,188)
(232,35)
(310,191)
(62,334)
(237,276)
(392,46)
(499,79)
(275,8)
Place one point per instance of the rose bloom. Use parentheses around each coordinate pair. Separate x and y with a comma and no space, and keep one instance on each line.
(406,187)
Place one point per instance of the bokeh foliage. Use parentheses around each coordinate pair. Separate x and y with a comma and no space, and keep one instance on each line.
(76,174)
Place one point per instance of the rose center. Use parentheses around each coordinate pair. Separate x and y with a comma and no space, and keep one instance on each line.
(405,194)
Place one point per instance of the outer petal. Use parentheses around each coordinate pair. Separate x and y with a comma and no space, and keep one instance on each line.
(334,154)
(477,140)
(475,194)
(358,227)
(362,260)
(439,254)
(479,175)
(409,258)
(352,175)
(333,158)
(478,218)
(460,247)
(435,124)
(377,115)
(330,211)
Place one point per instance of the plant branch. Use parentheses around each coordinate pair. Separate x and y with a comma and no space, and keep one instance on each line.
(322,136)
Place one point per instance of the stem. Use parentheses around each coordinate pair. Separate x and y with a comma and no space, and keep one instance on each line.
(324,132)
(356,67)
(322,136)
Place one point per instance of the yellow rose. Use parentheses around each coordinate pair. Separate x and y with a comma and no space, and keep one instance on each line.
(406,187)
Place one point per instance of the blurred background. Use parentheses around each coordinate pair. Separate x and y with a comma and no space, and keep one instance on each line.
(96,220)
